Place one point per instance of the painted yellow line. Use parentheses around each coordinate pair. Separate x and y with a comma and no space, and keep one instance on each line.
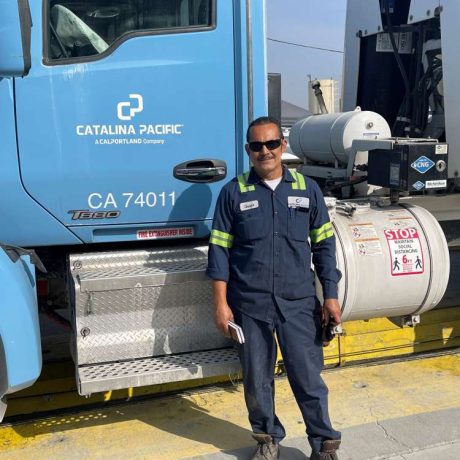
(30,403)
(209,421)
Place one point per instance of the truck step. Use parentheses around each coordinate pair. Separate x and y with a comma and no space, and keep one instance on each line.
(152,371)
(147,312)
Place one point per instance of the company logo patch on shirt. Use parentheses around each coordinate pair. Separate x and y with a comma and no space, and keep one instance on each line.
(298,202)
(247,205)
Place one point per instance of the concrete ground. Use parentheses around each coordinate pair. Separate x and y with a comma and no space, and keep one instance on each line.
(409,409)
(434,435)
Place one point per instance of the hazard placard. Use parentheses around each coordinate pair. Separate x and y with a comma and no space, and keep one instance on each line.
(405,251)
(366,239)
(363,231)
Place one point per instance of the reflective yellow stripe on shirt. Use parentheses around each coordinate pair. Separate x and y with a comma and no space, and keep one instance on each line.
(299,180)
(319,234)
(222,239)
(242,182)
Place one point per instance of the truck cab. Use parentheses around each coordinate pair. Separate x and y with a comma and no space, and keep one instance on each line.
(119,121)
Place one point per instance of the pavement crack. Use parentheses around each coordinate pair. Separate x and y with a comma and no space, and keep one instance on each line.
(387,435)
(393,439)
(379,424)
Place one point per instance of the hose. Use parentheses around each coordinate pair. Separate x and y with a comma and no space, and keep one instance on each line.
(398,58)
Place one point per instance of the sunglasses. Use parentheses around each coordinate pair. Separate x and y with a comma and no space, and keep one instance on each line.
(257,146)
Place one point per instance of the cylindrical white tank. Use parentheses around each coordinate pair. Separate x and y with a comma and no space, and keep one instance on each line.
(394,260)
(327,138)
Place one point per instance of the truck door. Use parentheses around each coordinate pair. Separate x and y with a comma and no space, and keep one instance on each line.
(129,94)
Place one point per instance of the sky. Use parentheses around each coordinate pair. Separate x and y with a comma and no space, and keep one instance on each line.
(307,22)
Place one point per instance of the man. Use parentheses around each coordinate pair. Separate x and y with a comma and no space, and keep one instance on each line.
(259,261)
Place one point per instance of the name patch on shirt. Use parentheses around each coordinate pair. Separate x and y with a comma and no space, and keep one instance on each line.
(247,205)
(298,202)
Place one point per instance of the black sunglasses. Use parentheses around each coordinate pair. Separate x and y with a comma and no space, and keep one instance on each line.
(257,146)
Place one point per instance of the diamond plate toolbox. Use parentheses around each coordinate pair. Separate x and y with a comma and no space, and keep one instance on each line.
(141,304)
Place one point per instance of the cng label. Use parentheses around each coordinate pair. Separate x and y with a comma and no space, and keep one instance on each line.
(405,251)
(422,164)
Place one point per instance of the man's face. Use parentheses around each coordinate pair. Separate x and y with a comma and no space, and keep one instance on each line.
(267,161)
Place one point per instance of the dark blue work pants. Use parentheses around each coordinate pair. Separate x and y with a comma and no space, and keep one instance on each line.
(299,339)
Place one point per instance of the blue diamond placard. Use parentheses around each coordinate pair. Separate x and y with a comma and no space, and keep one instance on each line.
(422,164)
(418,185)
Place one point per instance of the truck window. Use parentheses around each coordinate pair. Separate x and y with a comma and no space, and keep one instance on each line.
(84,28)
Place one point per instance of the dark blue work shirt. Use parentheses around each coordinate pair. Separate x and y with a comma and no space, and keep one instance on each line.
(259,244)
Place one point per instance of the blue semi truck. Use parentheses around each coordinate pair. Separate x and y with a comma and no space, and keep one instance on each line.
(118,120)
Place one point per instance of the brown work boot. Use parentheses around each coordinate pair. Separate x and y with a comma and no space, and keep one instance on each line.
(266,448)
(328,450)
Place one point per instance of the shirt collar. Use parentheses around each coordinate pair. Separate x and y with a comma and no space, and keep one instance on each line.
(254,178)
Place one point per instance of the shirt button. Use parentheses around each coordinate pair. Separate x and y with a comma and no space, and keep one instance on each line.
(276,212)
(276,233)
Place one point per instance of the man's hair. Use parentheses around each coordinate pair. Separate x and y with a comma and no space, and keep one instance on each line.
(263,121)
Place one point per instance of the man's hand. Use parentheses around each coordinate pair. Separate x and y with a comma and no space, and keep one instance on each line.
(222,312)
(331,311)
(222,315)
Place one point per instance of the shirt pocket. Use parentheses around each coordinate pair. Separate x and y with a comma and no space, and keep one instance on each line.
(298,223)
(250,225)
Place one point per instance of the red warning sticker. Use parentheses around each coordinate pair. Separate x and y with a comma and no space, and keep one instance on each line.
(164,233)
(405,251)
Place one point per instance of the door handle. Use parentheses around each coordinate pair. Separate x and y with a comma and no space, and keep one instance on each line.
(201,171)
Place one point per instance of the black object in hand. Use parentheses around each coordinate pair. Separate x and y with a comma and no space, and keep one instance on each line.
(330,330)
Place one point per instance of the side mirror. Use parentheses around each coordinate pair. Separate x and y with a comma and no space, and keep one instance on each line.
(15,31)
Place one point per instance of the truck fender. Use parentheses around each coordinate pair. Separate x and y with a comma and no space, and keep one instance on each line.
(20,346)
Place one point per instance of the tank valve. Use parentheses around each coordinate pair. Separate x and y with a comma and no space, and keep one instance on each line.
(410,320)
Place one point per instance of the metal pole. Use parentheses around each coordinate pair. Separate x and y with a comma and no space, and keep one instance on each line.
(250,60)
